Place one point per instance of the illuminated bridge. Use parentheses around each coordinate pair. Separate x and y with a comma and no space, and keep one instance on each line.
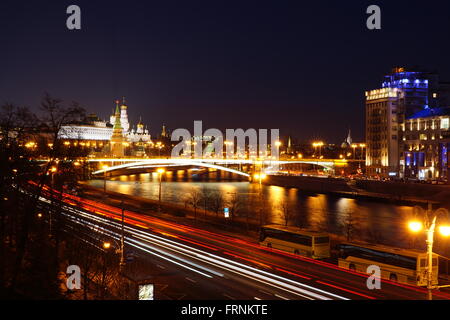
(242,167)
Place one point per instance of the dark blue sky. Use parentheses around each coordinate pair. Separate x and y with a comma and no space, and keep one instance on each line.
(301,66)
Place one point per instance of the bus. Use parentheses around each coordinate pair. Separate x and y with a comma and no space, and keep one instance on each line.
(304,242)
(396,264)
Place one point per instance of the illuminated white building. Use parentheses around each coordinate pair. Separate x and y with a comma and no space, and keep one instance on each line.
(140,134)
(95,129)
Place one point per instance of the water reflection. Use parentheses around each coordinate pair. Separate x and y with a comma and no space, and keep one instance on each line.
(370,220)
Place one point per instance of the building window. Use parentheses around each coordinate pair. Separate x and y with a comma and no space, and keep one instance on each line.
(445,123)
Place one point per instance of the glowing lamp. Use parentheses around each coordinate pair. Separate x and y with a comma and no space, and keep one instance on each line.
(445,230)
(415,226)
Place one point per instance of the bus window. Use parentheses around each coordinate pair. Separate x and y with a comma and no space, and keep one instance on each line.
(321,240)
(423,262)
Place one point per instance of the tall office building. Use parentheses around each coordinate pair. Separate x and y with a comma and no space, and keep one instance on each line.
(382,131)
(403,93)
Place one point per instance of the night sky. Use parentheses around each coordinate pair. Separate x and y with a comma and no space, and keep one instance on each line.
(299,66)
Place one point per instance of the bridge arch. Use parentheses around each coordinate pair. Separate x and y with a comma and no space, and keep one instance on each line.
(158,163)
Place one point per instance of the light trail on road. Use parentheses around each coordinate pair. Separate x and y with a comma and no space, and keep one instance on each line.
(183,255)
(145,233)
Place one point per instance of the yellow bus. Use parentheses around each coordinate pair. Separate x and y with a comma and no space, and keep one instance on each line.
(298,241)
(396,264)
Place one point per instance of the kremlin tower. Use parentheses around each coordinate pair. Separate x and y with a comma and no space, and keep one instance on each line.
(117,138)
(124,117)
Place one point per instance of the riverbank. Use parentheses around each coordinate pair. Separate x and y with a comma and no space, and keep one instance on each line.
(398,193)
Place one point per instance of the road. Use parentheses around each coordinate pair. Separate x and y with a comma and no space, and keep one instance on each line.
(191,263)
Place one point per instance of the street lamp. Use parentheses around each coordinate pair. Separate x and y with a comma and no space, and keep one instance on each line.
(122,239)
(278,145)
(50,218)
(318,144)
(105,167)
(354,146)
(429,223)
(106,245)
(260,177)
(362,146)
(159,145)
(228,143)
(160,172)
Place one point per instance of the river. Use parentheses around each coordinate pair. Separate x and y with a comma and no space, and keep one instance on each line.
(372,221)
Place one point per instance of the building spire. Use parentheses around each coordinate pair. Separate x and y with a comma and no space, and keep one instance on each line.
(349,137)
(117,108)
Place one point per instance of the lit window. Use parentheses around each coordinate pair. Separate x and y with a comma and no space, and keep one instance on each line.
(434,95)
(445,123)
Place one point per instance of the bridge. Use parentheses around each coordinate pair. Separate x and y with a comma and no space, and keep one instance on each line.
(267,165)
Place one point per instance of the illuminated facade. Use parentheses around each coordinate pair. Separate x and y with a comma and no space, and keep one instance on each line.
(426,138)
(140,134)
(95,129)
(96,132)
(403,95)
(381,131)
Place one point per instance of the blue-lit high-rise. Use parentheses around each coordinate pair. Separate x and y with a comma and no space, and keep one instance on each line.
(403,93)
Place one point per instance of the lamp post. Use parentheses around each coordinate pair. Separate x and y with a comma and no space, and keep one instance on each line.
(228,143)
(52,171)
(105,167)
(159,145)
(318,144)
(354,146)
(429,223)
(278,145)
(260,177)
(122,241)
(362,145)
(160,173)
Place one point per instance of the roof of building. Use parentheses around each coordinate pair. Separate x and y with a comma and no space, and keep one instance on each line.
(431,112)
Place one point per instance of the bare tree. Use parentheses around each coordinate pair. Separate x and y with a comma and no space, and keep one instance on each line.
(194,199)
(234,205)
(206,197)
(350,225)
(286,212)
(217,202)
(55,116)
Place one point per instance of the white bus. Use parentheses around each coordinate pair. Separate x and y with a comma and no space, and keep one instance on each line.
(396,264)
(298,241)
